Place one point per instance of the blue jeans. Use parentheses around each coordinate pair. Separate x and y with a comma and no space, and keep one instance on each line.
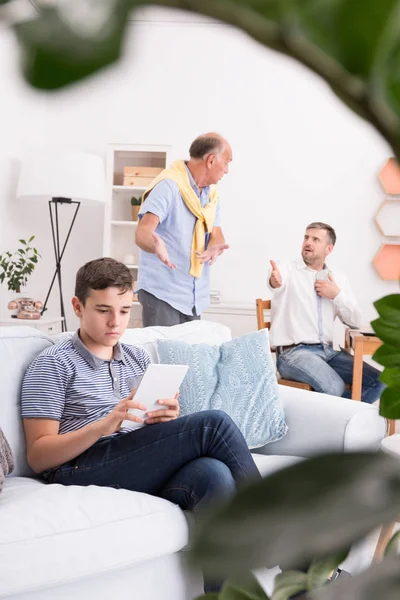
(190,461)
(327,370)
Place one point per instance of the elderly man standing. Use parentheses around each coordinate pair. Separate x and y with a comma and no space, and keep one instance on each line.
(180,234)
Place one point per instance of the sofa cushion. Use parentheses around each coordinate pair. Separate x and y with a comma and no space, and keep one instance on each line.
(60,533)
(6,459)
(238,377)
(18,347)
(193,332)
(270,464)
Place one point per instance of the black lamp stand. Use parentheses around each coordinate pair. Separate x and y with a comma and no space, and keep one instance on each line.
(58,253)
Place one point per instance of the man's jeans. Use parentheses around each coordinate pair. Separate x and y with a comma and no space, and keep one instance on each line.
(190,461)
(327,370)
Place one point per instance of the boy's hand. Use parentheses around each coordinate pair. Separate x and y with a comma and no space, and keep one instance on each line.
(164,414)
(112,422)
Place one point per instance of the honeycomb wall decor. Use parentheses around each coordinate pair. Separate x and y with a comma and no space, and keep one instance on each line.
(387,261)
(387,220)
(389,176)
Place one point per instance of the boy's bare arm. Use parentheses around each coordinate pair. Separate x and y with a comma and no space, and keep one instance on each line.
(47,448)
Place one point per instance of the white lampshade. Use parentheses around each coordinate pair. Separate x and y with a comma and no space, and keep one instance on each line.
(75,175)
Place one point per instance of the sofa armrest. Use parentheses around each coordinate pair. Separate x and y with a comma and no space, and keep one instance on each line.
(322,423)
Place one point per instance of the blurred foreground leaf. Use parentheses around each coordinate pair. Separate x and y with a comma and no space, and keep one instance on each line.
(305,512)
(379,582)
(353,44)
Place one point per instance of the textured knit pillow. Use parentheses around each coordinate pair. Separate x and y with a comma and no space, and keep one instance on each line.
(237,377)
(6,459)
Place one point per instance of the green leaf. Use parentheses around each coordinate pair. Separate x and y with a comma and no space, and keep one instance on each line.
(380,582)
(31,238)
(55,54)
(393,547)
(388,356)
(387,327)
(297,515)
(388,307)
(212,596)
(389,404)
(391,376)
(22,241)
(320,570)
(289,583)
(387,331)
(243,588)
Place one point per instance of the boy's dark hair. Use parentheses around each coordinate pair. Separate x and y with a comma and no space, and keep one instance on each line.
(100,274)
(330,231)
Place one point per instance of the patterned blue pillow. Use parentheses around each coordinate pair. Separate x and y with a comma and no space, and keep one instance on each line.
(237,377)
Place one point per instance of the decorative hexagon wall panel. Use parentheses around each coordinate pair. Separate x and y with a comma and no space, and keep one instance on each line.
(387,261)
(389,176)
(388,218)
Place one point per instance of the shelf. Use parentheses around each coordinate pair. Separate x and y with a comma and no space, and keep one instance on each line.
(120,220)
(131,188)
(124,223)
(42,320)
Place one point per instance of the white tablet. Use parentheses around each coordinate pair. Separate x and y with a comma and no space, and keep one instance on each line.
(158,381)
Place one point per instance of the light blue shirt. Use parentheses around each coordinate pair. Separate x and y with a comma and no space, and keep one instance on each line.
(175,286)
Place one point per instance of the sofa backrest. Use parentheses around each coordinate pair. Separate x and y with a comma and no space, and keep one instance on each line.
(18,347)
(193,332)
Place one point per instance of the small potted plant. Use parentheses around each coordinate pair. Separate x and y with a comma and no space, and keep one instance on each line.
(15,267)
(135,206)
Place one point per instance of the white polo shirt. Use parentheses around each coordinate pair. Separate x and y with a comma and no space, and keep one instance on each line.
(299,315)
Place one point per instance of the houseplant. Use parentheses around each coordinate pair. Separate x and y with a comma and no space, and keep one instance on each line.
(135,207)
(16,267)
(355,46)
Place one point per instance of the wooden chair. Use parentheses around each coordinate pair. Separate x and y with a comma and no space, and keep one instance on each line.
(262,305)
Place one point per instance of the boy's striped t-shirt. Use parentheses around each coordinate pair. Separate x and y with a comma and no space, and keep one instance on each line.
(69,384)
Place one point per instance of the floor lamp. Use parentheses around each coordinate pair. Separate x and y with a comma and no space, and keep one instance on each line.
(62,179)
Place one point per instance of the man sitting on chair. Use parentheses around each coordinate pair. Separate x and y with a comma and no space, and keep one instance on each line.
(307,297)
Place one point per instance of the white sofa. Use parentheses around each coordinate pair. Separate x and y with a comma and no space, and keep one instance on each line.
(93,542)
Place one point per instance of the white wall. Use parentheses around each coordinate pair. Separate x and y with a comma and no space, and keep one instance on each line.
(22,128)
(299,154)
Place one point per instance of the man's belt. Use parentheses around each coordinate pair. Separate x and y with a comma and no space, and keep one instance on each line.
(283,348)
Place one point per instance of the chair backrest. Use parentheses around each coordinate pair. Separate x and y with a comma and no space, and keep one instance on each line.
(262,305)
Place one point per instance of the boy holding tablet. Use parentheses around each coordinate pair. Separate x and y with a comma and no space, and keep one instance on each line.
(76,395)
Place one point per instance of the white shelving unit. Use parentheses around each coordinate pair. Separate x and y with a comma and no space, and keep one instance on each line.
(119,229)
